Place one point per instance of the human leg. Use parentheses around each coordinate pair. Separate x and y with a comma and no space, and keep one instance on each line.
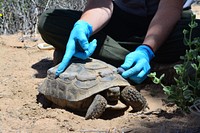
(55,26)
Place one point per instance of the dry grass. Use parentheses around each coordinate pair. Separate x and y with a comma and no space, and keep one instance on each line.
(22,15)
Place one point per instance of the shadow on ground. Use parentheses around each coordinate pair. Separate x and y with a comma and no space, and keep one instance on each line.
(107,115)
(188,125)
(42,66)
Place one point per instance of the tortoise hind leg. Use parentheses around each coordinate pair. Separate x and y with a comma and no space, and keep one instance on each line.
(97,107)
(133,98)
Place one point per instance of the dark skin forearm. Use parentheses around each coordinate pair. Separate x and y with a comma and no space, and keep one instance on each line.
(168,13)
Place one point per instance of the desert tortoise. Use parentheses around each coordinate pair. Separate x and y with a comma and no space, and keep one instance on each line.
(90,85)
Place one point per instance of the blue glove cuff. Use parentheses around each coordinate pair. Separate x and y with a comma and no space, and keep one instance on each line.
(83,23)
(147,50)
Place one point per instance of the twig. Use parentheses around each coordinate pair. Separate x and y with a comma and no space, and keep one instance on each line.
(47,5)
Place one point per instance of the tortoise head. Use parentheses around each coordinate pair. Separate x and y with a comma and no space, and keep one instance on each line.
(113,93)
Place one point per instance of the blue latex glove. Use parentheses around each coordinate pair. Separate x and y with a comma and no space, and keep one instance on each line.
(78,44)
(137,64)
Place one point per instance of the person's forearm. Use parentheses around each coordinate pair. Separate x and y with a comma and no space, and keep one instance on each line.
(97,13)
(169,12)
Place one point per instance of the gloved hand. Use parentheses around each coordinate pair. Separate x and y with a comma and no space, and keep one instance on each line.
(137,64)
(78,44)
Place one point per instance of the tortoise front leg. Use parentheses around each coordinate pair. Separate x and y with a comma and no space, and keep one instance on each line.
(97,107)
(133,98)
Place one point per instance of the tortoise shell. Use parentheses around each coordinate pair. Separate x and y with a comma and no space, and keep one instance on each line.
(81,79)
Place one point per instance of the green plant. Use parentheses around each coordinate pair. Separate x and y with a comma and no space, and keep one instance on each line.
(186,89)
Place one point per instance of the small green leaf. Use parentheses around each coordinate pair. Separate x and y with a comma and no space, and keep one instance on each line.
(156,81)
(185,87)
(152,75)
(193,16)
(194,66)
(185,31)
(167,90)
(179,69)
(162,76)
(192,84)
(154,78)
(182,57)
(198,58)
(187,94)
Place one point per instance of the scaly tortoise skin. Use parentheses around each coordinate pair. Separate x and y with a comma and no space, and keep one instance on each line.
(90,85)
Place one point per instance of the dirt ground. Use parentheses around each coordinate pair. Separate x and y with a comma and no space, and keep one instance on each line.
(23,67)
